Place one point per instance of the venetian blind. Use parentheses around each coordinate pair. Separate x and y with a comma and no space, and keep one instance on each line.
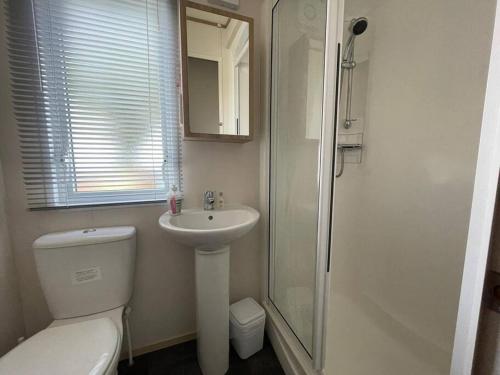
(94,86)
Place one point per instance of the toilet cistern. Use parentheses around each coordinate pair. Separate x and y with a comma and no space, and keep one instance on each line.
(87,277)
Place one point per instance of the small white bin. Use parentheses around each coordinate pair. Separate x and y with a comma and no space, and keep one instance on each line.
(246,329)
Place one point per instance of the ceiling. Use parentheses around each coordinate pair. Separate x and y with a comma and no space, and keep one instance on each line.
(207,16)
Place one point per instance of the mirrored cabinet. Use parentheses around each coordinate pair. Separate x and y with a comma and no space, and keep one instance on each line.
(217,74)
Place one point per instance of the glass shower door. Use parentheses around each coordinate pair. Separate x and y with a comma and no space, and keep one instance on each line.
(296,117)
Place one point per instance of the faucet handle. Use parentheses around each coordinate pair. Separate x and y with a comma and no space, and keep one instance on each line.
(209,194)
(209,200)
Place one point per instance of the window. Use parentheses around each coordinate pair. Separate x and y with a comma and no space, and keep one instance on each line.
(94,87)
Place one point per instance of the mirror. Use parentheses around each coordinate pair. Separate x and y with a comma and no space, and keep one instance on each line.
(217,74)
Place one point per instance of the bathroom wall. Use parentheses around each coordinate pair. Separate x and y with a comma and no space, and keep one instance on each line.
(401,216)
(11,317)
(163,301)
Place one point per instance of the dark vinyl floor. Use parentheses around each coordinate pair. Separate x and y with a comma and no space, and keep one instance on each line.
(181,360)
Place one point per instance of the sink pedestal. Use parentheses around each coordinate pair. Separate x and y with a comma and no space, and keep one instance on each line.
(212,309)
(206,231)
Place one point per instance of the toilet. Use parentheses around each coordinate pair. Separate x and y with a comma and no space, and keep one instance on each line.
(87,279)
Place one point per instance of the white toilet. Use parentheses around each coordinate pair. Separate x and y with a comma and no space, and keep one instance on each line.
(87,278)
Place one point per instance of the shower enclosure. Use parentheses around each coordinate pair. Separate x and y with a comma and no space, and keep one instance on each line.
(415,85)
(402,206)
(301,149)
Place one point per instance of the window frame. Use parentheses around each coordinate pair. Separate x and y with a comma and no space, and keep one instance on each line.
(43,93)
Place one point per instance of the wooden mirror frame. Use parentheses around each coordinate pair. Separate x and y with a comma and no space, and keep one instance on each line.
(188,135)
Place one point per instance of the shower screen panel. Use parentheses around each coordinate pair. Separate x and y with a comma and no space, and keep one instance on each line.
(298,45)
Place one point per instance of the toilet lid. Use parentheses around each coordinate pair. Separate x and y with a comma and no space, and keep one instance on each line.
(80,348)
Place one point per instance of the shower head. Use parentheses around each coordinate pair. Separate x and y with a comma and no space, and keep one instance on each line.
(358,25)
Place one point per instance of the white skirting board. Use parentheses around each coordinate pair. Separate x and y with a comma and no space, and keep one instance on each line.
(291,355)
(158,345)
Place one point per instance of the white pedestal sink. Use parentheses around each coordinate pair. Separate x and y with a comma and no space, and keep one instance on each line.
(210,233)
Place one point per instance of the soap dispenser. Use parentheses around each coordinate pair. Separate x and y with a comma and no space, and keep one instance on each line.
(174,201)
(221,200)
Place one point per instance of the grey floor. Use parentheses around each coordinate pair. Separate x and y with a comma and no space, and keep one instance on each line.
(181,360)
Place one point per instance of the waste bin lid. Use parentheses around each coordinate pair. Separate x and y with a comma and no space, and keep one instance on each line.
(246,311)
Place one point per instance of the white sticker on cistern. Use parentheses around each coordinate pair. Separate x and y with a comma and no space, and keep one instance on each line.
(87,275)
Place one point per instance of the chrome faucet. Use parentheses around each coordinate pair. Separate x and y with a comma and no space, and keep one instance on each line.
(208,200)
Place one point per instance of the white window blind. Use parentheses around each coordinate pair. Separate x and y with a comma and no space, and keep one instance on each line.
(94,87)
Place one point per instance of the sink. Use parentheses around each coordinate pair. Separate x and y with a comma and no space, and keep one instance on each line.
(210,233)
(210,229)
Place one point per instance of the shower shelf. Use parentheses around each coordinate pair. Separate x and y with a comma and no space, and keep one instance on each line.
(343,148)
(350,147)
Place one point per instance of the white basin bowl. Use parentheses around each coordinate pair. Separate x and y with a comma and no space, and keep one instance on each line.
(210,229)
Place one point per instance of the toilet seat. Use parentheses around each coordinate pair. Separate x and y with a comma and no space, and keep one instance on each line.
(116,316)
(86,347)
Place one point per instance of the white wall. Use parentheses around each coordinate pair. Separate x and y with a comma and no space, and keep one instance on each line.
(163,300)
(244,95)
(203,41)
(401,216)
(11,318)
(233,39)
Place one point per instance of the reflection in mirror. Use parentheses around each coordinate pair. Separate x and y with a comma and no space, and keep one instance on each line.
(203,95)
(218,72)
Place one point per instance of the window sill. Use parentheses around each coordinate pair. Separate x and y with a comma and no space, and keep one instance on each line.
(101,206)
